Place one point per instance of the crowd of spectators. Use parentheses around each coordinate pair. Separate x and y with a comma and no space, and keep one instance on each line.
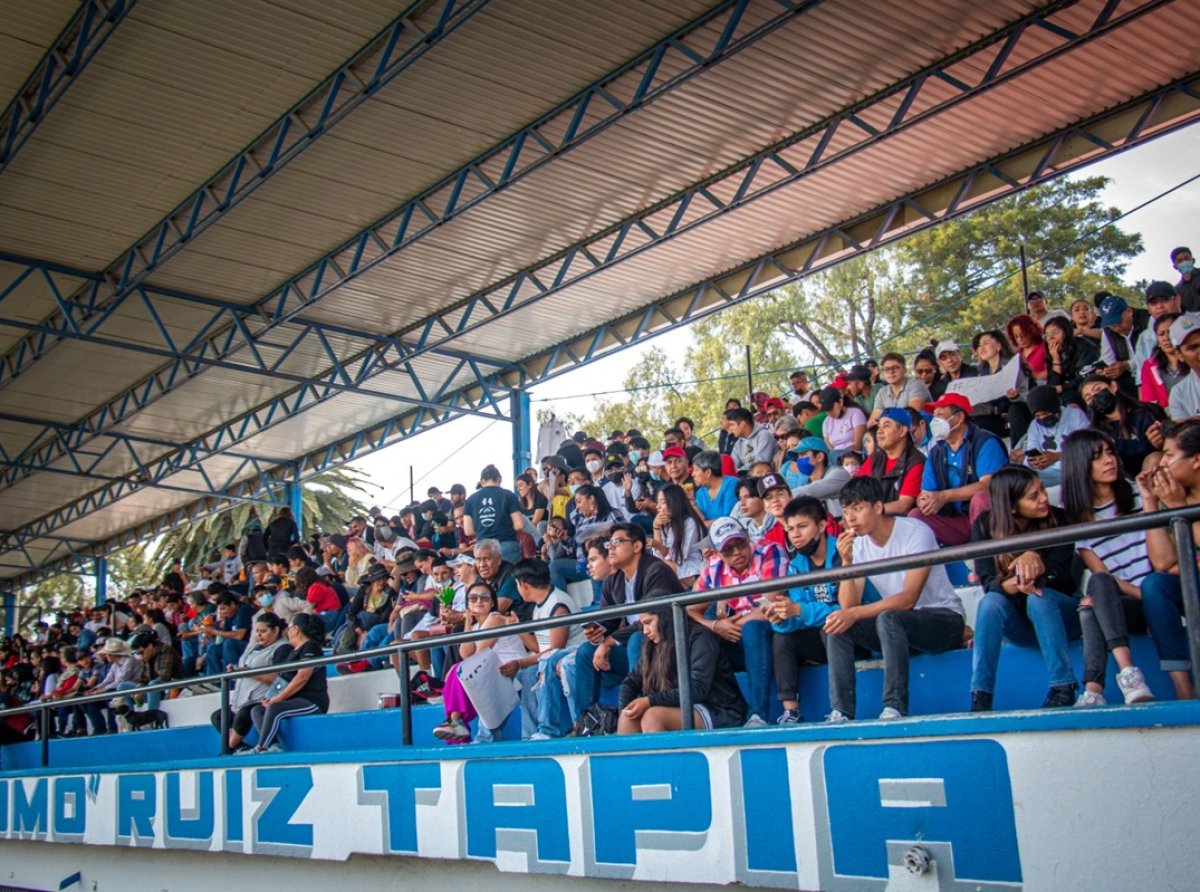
(887,459)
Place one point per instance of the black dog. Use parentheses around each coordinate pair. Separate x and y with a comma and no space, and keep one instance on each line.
(154,719)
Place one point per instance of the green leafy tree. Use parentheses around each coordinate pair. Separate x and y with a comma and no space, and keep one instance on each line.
(328,502)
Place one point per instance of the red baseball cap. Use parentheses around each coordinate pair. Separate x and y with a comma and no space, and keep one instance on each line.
(951,401)
(674,452)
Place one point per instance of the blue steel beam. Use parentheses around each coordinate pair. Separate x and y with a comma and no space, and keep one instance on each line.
(652,74)
(408,38)
(76,46)
(585,258)
(1165,110)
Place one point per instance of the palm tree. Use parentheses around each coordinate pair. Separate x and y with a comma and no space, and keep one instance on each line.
(328,502)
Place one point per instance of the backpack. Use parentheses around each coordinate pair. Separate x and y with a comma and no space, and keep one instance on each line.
(596,720)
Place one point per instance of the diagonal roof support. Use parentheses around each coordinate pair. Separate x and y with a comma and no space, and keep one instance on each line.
(76,45)
(1163,111)
(408,38)
(667,65)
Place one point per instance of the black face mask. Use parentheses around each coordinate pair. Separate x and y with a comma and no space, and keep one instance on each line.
(1103,402)
(1051,420)
(809,548)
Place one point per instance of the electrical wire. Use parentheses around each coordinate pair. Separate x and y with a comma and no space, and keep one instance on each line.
(430,472)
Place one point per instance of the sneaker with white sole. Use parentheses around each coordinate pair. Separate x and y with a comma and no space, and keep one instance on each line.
(836,717)
(890,714)
(755,721)
(447,730)
(1091,698)
(1133,685)
(790,717)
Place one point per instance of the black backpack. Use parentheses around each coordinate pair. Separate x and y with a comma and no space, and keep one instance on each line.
(596,720)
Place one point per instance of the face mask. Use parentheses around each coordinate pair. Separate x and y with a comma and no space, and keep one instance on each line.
(635,456)
(804,465)
(1186,267)
(1103,402)
(265,600)
(573,488)
(810,548)
(594,466)
(1051,420)
(939,428)
(654,475)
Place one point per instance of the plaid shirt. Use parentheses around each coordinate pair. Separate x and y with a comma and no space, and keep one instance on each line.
(767,561)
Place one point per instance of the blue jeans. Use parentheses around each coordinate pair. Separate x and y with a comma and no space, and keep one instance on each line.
(153,698)
(564,571)
(331,619)
(1162,604)
(553,716)
(378,635)
(753,656)
(1048,622)
(585,692)
(1051,476)
(510,550)
(223,652)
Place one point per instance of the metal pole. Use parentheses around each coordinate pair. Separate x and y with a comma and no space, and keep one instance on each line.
(44,726)
(224,716)
(412,490)
(406,735)
(683,665)
(749,376)
(295,497)
(519,410)
(101,570)
(1024,275)
(1185,551)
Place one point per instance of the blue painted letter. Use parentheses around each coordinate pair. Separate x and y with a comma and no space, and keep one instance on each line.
(516,794)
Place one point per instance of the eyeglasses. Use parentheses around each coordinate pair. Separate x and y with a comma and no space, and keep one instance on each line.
(613,543)
(893,368)
(479,597)
(733,547)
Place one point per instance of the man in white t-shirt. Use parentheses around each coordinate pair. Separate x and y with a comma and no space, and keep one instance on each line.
(1185,396)
(918,609)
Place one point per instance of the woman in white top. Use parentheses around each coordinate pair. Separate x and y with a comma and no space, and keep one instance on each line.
(677,533)
(1131,572)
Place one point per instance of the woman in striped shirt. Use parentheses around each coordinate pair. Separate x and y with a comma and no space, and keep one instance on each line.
(1130,572)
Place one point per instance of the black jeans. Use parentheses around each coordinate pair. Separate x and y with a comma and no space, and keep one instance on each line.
(894,633)
(791,650)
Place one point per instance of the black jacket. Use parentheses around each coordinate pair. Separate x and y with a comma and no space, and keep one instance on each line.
(1059,560)
(713,683)
(653,576)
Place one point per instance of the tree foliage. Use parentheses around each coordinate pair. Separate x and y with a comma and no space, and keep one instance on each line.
(949,281)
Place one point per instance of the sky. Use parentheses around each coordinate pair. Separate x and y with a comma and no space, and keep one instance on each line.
(458,450)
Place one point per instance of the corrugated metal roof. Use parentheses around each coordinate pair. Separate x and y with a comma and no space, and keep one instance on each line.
(181,87)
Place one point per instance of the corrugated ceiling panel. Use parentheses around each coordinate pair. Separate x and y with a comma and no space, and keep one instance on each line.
(26,32)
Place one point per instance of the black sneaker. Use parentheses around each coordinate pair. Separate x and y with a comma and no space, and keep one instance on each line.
(1060,695)
(981,701)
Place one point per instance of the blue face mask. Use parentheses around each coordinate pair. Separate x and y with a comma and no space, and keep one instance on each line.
(804,465)
(1187,267)
(655,476)
(635,456)
(266,600)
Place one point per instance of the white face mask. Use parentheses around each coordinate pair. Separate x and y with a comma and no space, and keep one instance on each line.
(594,465)
(573,488)
(939,428)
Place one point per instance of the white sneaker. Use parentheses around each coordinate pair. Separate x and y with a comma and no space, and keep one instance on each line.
(890,714)
(1091,698)
(836,717)
(755,721)
(539,736)
(1133,685)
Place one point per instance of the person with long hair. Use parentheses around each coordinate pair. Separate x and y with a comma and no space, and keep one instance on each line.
(268,649)
(1086,321)
(649,699)
(1165,368)
(1003,415)
(591,516)
(1135,427)
(1130,571)
(1029,597)
(306,690)
(1025,335)
(1067,357)
(677,533)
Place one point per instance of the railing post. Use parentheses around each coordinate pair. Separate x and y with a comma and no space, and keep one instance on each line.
(683,665)
(406,734)
(44,734)
(1185,551)
(224,716)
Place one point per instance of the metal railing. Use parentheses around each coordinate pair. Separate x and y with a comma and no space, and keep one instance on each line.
(1179,521)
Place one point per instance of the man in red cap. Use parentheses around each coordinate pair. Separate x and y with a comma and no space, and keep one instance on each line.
(962,459)
(676,462)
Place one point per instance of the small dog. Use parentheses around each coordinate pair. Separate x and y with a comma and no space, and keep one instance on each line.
(155,719)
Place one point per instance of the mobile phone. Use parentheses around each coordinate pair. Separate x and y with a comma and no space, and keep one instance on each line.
(593,627)
(1032,453)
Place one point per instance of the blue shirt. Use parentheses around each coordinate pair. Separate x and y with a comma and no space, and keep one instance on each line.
(990,460)
(723,504)
(817,601)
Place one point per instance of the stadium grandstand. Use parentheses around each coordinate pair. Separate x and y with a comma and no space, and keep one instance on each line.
(901,625)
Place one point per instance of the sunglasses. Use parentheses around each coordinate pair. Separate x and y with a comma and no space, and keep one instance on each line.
(479,597)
